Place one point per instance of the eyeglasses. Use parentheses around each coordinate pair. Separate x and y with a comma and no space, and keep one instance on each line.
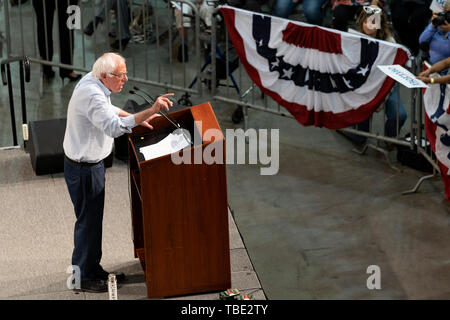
(120,75)
(372,9)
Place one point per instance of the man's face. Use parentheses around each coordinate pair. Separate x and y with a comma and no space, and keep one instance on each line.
(114,81)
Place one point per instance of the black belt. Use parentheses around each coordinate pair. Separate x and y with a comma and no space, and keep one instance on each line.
(83,164)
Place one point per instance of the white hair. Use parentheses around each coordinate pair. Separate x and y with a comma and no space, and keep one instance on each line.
(107,63)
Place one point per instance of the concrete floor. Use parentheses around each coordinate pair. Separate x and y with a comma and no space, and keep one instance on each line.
(329,214)
(312,230)
(36,234)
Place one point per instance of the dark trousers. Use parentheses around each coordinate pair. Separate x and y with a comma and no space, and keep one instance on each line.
(342,14)
(409,19)
(86,186)
(45,11)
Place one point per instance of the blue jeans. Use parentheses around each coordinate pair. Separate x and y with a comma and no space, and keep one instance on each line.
(390,110)
(311,9)
(86,187)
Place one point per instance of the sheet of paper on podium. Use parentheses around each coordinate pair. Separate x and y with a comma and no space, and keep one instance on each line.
(170,144)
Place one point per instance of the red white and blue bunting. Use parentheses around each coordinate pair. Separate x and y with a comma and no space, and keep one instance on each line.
(323,77)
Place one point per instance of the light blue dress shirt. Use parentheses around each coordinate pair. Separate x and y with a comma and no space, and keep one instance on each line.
(93,122)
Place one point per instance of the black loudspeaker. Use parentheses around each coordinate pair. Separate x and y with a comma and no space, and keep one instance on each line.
(120,143)
(45,146)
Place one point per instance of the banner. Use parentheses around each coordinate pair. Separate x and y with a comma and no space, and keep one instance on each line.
(437,124)
(403,76)
(438,5)
(323,77)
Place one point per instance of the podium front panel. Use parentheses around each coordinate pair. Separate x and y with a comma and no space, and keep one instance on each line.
(182,225)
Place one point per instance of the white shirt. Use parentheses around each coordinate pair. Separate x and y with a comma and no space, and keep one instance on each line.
(93,122)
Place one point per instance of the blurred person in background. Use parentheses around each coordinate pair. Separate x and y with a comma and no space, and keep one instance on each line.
(45,11)
(409,19)
(312,9)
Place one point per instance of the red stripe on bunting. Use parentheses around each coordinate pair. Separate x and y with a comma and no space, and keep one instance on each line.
(430,131)
(300,112)
(312,38)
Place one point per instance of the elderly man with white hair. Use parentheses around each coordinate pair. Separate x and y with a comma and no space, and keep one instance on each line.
(92,124)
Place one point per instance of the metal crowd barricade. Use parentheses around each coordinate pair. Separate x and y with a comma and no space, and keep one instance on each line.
(149,55)
(413,126)
(421,148)
(24,75)
(247,95)
(252,99)
(144,60)
(144,63)
(2,38)
(378,135)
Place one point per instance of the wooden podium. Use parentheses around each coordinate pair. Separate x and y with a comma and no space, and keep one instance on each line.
(180,212)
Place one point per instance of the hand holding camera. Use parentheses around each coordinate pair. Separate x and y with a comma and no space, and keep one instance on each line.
(441,20)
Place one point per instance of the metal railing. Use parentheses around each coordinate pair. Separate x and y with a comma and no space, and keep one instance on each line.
(253,98)
(376,136)
(420,147)
(222,65)
(149,50)
(24,75)
(144,52)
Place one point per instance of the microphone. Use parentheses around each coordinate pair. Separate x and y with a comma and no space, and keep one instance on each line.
(177,125)
(149,102)
(136,88)
(144,92)
(151,98)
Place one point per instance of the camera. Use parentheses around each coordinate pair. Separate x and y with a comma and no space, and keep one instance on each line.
(440,19)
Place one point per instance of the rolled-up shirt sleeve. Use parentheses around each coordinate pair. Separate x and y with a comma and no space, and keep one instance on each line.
(128,123)
(105,117)
(116,109)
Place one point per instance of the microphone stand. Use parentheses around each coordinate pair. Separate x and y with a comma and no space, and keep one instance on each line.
(159,112)
(177,125)
(151,98)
